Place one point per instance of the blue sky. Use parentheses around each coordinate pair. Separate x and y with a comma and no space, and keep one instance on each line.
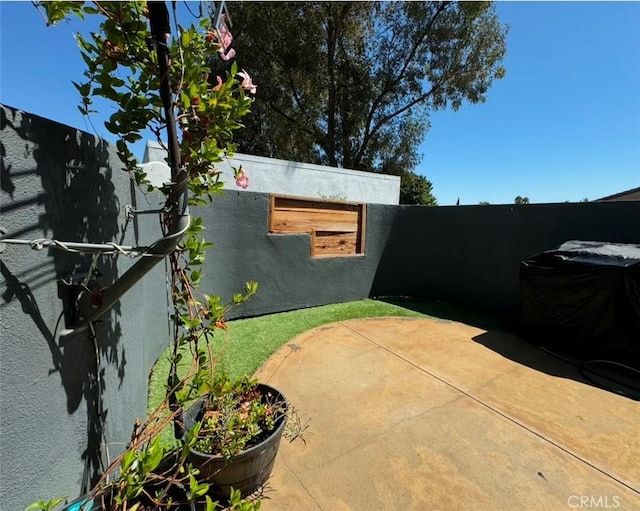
(564,124)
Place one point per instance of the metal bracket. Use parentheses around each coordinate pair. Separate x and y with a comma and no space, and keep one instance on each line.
(216,11)
(129,213)
(3,232)
(78,295)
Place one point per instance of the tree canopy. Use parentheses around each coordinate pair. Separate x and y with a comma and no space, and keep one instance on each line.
(416,189)
(351,84)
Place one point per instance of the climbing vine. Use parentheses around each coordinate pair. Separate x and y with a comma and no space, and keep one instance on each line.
(122,67)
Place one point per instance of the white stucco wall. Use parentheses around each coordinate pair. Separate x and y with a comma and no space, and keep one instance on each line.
(270,175)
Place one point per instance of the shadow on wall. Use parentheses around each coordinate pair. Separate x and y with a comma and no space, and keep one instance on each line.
(76,202)
(471,255)
(463,255)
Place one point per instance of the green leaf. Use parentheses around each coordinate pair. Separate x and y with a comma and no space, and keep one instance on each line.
(251,287)
(41,505)
(127,460)
(86,45)
(84,89)
(186,38)
(153,457)
(196,489)
(186,100)
(211,505)
(132,137)
(109,65)
(91,65)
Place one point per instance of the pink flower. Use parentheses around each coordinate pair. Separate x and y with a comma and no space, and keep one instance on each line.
(220,84)
(228,55)
(247,84)
(242,180)
(223,34)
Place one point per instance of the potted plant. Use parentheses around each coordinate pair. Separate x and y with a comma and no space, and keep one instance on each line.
(230,421)
(237,430)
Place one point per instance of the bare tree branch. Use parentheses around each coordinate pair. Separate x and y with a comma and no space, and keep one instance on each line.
(389,87)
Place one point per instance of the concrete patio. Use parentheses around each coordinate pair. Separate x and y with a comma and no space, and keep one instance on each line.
(427,414)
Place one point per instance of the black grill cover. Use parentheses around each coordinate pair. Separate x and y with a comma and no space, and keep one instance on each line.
(583,299)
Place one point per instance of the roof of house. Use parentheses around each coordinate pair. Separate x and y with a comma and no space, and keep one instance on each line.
(632,194)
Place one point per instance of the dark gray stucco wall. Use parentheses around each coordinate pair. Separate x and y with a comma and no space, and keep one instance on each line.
(56,402)
(288,277)
(470,255)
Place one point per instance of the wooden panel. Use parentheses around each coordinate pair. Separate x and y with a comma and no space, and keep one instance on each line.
(317,205)
(336,228)
(332,243)
(362,231)
(272,209)
(287,220)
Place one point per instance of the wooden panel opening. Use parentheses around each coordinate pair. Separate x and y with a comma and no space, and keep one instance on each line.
(337,228)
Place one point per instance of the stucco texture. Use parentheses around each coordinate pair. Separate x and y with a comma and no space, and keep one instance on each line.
(67,403)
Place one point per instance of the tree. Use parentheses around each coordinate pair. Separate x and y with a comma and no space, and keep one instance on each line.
(351,84)
(416,189)
(521,200)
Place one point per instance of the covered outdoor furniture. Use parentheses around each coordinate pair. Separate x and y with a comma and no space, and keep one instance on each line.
(583,299)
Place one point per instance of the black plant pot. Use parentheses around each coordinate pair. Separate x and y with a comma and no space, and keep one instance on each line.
(246,471)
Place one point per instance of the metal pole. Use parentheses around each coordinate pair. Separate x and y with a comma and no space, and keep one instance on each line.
(177,202)
(160,30)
